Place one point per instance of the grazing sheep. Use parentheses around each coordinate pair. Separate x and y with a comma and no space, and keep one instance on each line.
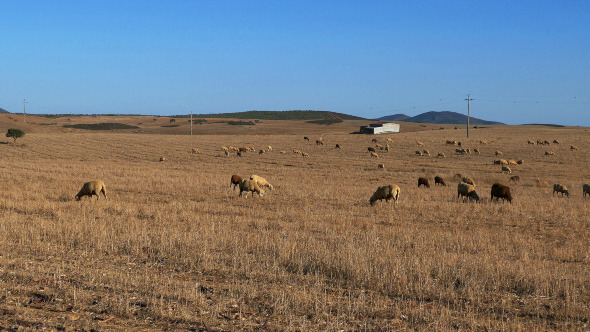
(476,151)
(559,188)
(390,140)
(195,151)
(520,162)
(546,142)
(585,189)
(512,162)
(92,188)
(458,176)
(269,148)
(243,149)
(337,146)
(379,146)
(506,169)
(541,183)
(531,142)
(468,180)
(440,181)
(423,182)
(305,154)
(387,147)
(239,154)
(162,158)
(467,190)
(460,151)
(385,193)
(226,152)
(295,151)
(374,155)
(282,152)
(556,141)
(261,152)
(574,148)
(250,186)
(381,166)
(501,191)
(425,152)
(484,142)
(371,149)
(499,154)
(306,138)
(418,153)
(374,140)
(441,155)
(420,143)
(319,142)
(224,148)
(515,178)
(467,151)
(235,181)
(549,153)
(449,142)
(261,182)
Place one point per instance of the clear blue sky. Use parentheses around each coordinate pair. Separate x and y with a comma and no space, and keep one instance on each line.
(522,61)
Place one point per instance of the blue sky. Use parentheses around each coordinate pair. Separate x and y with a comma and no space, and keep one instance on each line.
(522,61)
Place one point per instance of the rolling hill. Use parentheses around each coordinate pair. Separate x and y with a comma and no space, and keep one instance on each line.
(438,118)
(280,115)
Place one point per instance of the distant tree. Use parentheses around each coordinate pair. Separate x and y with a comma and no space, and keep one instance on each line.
(15,133)
(172,120)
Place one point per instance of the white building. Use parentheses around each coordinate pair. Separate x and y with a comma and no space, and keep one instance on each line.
(380,128)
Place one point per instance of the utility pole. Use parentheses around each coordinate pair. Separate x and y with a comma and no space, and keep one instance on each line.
(191,122)
(468,115)
(24,110)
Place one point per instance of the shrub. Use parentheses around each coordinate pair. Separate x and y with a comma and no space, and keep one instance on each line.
(15,133)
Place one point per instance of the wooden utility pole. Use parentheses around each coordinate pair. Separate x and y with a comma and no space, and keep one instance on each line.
(24,110)
(468,115)
(191,122)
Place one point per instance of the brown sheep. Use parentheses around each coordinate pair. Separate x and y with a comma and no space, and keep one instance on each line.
(585,189)
(559,188)
(423,182)
(250,186)
(458,143)
(235,181)
(460,151)
(549,153)
(467,190)
(371,149)
(261,152)
(574,148)
(319,142)
(468,180)
(337,146)
(418,153)
(546,142)
(441,155)
(531,142)
(385,193)
(449,142)
(306,138)
(440,181)
(92,188)
(425,152)
(381,166)
(501,191)
(499,154)
(243,149)
(520,162)
(476,151)
(556,141)
(515,178)
(374,140)
(239,153)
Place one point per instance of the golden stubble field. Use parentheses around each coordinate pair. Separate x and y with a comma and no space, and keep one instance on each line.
(175,248)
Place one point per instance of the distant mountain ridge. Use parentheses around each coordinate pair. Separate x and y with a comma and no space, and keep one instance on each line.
(3,110)
(444,117)
(280,115)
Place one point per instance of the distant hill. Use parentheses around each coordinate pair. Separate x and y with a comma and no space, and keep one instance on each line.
(442,118)
(395,117)
(279,115)
(3,111)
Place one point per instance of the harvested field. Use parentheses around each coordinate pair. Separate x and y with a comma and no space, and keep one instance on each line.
(175,248)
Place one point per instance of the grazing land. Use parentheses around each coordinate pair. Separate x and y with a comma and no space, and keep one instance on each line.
(174,247)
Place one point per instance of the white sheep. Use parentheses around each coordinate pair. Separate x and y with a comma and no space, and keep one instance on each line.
(467,190)
(92,188)
(374,155)
(468,180)
(261,181)
(385,193)
(250,186)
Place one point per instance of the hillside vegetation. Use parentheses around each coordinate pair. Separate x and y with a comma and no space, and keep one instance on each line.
(281,115)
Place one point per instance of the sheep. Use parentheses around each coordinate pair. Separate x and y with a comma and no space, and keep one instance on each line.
(484,142)
(467,151)
(476,151)
(467,190)
(261,182)
(379,146)
(499,154)
(235,181)
(385,193)
(546,142)
(559,188)
(250,186)
(556,141)
(371,149)
(500,162)
(162,158)
(250,148)
(282,152)
(226,153)
(574,148)
(260,152)
(541,183)
(193,151)
(295,151)
(512,162)
(269,148)
(501,191)
(390,140)
(92,188)
(458,176)
(224,148)
(441,155)
(458,143)
(531,142)
(239,154)
(306,138)
(468,180)
(374,155)
(440,181)
(420,143)
(337,146)
(304,154)
(423,182)
(520,162)
(387,147)
(319,142)
(460,151)
(381,166)
(506,169)
(515,178)
(425,152)
(449,142)
(418,152)
(585,189)
(549,153)
(374,140)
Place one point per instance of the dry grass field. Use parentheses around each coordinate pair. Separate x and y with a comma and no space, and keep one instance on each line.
(175,248)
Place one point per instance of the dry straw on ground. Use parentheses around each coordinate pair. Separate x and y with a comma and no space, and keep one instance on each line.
(175,248)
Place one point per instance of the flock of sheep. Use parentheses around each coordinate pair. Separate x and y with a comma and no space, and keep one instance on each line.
(465,188)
